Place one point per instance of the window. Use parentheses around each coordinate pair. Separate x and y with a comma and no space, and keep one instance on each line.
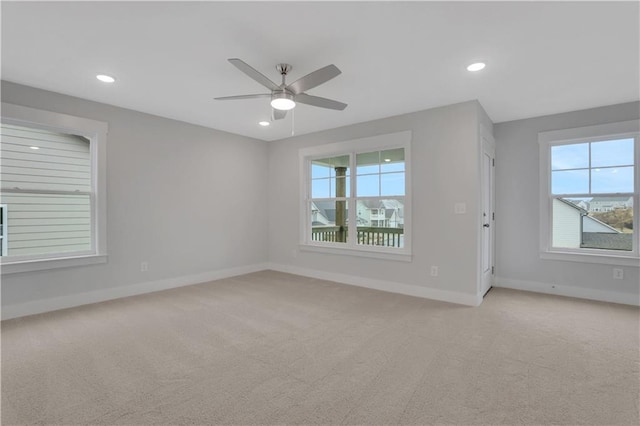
(52,190)
(356,195)
(589,187)
(3,229)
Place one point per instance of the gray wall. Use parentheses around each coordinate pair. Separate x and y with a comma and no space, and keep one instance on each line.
(444,162)
(517,206)
(186,199)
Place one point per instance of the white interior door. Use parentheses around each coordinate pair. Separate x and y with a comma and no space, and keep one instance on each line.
(488,215)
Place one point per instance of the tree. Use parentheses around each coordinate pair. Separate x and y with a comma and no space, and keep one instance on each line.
(620,219)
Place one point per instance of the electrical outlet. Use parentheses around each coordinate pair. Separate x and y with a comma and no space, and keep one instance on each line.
(144,266)
(460,208)
(618,273)
(434,271)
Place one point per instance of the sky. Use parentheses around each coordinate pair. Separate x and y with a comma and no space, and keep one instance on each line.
(384,179)
(609,171)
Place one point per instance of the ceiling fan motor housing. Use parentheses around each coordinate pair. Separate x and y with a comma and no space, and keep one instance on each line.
(283,68)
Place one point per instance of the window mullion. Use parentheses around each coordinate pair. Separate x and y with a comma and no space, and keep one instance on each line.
(590,170)
(352,203)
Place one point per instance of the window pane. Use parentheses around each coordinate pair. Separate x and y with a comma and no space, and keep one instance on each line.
(330,167)
(566,223)
(570,182)
(612,179)
(368,186)
(612,153)
(392,184)
(392,160)
(381,222)
(329,221)
(319,170)
(570,156)
(47,223)
(35,160)
(604,223)
(320,188)
(368,162)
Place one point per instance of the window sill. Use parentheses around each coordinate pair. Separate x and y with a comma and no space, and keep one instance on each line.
(344,251)
(591,258)
(46,264)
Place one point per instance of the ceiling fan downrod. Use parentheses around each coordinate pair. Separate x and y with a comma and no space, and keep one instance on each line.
(283,69)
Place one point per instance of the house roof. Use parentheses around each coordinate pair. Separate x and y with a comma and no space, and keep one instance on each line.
(327,209)
(569,203)
(609,199)
(585,215)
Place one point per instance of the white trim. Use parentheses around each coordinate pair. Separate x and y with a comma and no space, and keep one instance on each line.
(582,257)
(387,286)
(3,212)
(330,248)
(569,291)
(63,302)
(597,133)
(487,145)
(96,132)
(44,264)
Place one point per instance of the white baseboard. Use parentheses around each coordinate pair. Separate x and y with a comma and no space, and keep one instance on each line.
(63,302)
(570,291)
(388,286)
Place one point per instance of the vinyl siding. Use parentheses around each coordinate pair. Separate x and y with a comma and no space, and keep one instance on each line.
(566,225)
(45,223)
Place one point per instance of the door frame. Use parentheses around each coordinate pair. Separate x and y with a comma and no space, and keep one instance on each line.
(488,148)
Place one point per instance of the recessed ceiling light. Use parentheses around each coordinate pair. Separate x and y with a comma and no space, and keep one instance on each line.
(387,160)
(105,78)
(34,147)
(264,123)
(476,67)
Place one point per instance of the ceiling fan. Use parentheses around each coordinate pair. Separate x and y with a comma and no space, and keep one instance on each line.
(283,96)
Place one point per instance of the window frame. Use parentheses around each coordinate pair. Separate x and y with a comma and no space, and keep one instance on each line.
(352,148)
(597,133)
(3,236)
(96,132)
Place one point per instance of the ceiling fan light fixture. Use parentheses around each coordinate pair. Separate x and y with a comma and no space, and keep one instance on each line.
(283,101)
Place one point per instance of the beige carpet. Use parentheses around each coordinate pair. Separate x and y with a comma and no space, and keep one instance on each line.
(274,348)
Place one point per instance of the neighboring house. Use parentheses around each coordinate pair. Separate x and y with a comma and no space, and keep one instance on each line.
(46,180)
(380,213)
(607,204)
(323,213)
(574,228)
(583,204)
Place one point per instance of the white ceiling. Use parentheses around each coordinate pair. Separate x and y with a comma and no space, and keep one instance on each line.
(170,58)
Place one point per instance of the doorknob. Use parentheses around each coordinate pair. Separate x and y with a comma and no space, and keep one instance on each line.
(486,225)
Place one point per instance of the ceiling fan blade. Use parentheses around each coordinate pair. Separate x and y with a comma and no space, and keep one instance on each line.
(279,114)
(256,75)
(303,98)
(231,98)
(314,79)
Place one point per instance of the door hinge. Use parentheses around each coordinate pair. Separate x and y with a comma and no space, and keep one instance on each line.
(493,216)
(493,162)
(493,270)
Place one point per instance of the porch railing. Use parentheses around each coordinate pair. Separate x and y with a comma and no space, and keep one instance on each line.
(369,235)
